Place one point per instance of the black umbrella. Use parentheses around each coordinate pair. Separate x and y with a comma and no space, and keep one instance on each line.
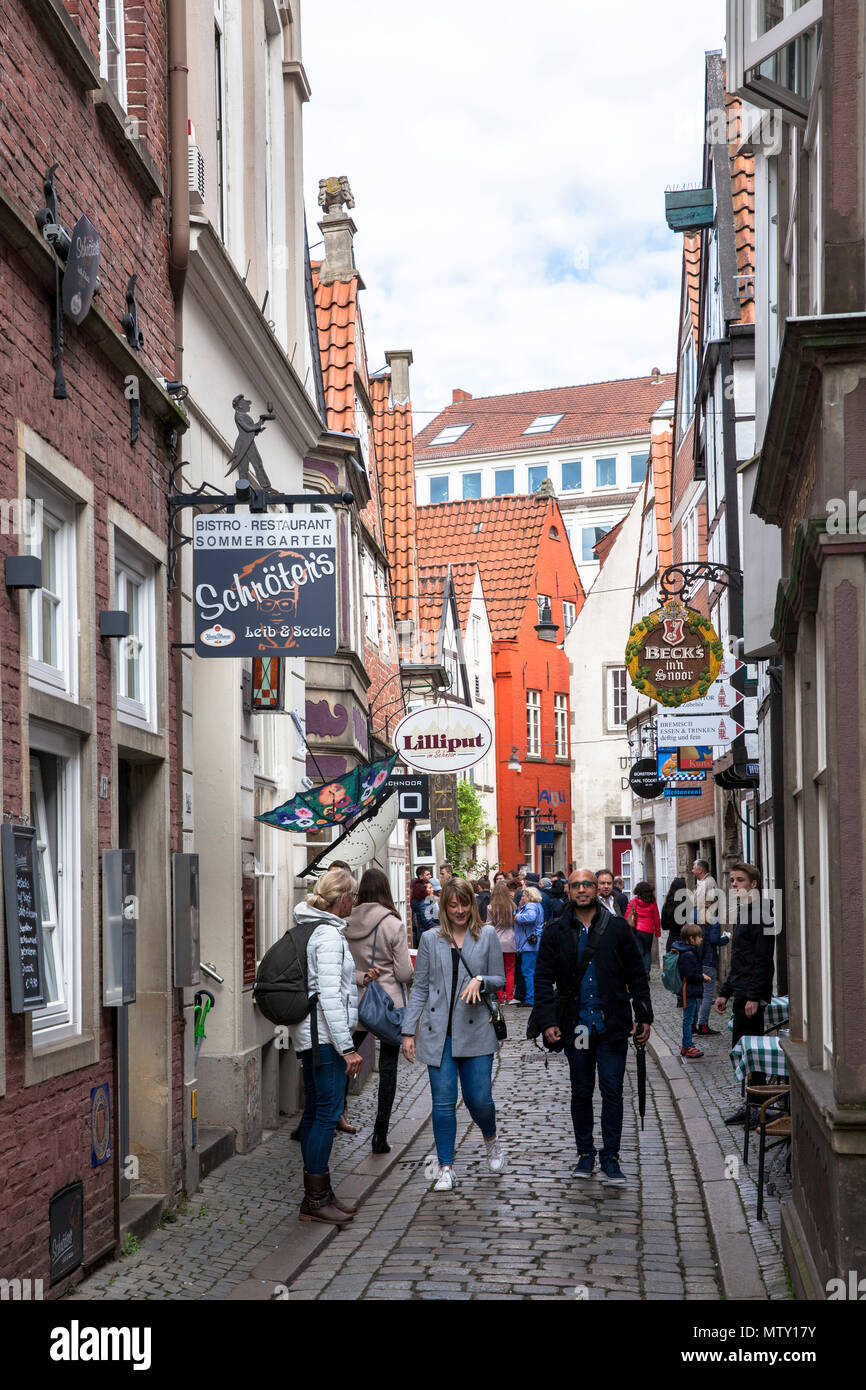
(640,1054)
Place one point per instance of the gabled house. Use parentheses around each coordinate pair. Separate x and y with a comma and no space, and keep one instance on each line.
(533,593)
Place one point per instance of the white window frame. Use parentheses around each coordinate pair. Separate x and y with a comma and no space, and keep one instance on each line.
(625,870)
(476,638)
(560,725)
(688,378)
(616,676)
(221,102)
(61,1019)
(116,8)
(130,564)
(747,50)
(371,600)
(529,468)
(606,458)
(543,599)
(58,515)
(513,487)
(564,464)
(454,431)
(439,477)
(569,615)
(533,723)
(543,424)
(264,871)
(642,454)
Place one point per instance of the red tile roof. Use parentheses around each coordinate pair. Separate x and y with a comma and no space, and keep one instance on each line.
(743,195)
(602,547)
(502,536)
(600,410)
(392,437)
(692,272)
(661,465)
(336,321)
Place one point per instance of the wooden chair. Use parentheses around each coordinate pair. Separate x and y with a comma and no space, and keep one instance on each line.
(777,1128)
(757,1095)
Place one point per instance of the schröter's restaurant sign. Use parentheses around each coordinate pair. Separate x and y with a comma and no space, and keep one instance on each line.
(442,738)
(674,654)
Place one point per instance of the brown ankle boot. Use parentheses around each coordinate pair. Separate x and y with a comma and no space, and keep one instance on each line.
(343,1203)
(344,1124)
(317,1204)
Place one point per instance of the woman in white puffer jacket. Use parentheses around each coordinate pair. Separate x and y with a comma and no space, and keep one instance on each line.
(331,976)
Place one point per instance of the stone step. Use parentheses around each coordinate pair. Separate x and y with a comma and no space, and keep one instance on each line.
(139,1215)
(214,1146)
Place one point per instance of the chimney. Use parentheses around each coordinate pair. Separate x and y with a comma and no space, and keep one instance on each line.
(399,360)
(457,396)
(656,376)
(338,230)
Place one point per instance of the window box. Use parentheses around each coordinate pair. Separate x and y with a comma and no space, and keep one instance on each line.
(690,210)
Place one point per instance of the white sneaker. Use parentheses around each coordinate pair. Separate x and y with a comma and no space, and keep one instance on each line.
(495,1155)
(445,1180)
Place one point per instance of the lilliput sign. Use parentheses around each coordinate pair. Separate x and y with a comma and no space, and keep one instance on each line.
(673,655)
(265,585)
(443,738)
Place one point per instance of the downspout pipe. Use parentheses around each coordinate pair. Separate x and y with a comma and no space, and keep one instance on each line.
(178,108)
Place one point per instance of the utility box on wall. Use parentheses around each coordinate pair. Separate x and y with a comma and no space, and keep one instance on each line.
(185,898)
(119,917)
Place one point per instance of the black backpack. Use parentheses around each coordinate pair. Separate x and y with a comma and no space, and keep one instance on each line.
(280,990)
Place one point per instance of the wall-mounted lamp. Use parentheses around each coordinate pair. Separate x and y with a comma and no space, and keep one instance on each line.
(23,572)
(113,622)
(545,627)
(514,762)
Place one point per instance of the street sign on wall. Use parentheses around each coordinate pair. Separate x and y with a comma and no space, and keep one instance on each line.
(82,270)
(413,795)
(265,585)
(678,730)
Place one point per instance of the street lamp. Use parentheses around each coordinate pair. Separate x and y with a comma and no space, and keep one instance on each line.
(514,762)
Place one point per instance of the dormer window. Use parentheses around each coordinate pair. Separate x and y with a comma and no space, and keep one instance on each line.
(449,435)
(543,424)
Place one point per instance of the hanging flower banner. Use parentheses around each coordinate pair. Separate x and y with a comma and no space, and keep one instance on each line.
(674,654)
(336,802)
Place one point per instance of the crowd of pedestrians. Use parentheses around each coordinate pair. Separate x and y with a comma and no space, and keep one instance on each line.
(578,953)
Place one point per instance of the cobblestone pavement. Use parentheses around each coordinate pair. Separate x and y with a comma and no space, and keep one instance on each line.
(719,1094)
(533,1232)
(227,1227)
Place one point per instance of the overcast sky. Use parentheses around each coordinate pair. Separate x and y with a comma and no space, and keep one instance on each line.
(508,163)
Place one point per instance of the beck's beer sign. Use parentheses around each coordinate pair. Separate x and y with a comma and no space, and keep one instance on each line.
(673,655)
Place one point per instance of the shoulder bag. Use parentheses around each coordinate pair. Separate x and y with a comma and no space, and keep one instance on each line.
(378,1013)
(494,1008)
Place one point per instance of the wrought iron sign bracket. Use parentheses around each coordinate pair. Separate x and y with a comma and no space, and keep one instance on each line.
(689,576)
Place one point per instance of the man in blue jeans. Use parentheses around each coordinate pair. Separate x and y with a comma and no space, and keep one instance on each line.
(586,1007)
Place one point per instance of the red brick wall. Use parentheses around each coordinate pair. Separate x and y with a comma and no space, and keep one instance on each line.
(45,1129)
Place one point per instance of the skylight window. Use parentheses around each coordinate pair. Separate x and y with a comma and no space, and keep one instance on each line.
(449,435)
(543,424)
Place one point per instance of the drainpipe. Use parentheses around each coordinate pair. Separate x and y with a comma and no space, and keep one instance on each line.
(178,108)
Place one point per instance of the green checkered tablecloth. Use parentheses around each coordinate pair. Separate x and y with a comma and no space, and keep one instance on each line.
(775,1013)
(755,1053)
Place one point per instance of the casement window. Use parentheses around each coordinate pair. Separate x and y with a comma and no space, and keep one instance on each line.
(537,474)
(439,489)
(605,472)
(638,465)
(544,599)
(663,882)
(55,811)
(112,47)
(533,723)
(476,638)
(53,609)
(471,486)
(688,379)
(773,48)
(220,107)
(689,536)
(503,482)
(371,602)
(617,697)
(590,537)
(569,614)
(135,594)
(560,724)
(571,475)
(384,614)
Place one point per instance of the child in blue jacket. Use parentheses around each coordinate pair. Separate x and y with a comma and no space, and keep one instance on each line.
(691,973)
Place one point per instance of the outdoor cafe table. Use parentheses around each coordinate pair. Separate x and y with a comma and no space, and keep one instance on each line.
(756,1053)
(775,1013)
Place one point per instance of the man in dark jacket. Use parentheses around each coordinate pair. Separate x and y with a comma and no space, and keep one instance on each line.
(593,1018)
(750,978)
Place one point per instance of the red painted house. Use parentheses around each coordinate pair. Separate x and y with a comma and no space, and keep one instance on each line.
(522,551)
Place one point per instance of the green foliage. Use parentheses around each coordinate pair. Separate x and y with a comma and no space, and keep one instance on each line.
(473,827)
(130,1245)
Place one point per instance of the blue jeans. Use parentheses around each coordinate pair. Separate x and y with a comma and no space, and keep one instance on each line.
(527,964)
(645,946)
(475,1082)
(610,1059)
(707,1001)
(325,1092)
(689,1014)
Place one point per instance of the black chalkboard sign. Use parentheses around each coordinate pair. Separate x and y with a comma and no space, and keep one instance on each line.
(66,1230)
(23,917)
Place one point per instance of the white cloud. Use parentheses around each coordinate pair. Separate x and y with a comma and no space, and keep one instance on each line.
(508,165)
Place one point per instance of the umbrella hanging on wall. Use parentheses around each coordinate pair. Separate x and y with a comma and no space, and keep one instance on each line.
(335,802)
(363,841)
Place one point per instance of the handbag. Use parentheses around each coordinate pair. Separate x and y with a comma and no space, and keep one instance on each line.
(494,1008)
(378,1013)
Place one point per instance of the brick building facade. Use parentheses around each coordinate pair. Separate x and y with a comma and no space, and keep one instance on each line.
(88,722)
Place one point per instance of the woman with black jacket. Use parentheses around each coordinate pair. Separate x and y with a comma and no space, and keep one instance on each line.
(673,921)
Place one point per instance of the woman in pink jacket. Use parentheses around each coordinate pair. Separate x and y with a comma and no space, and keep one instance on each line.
(642,914)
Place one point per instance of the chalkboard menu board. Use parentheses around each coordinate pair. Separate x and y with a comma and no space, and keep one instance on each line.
(23,917)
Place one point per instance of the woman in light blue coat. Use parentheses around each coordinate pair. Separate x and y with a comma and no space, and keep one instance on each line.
(457,962)
(528,926)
